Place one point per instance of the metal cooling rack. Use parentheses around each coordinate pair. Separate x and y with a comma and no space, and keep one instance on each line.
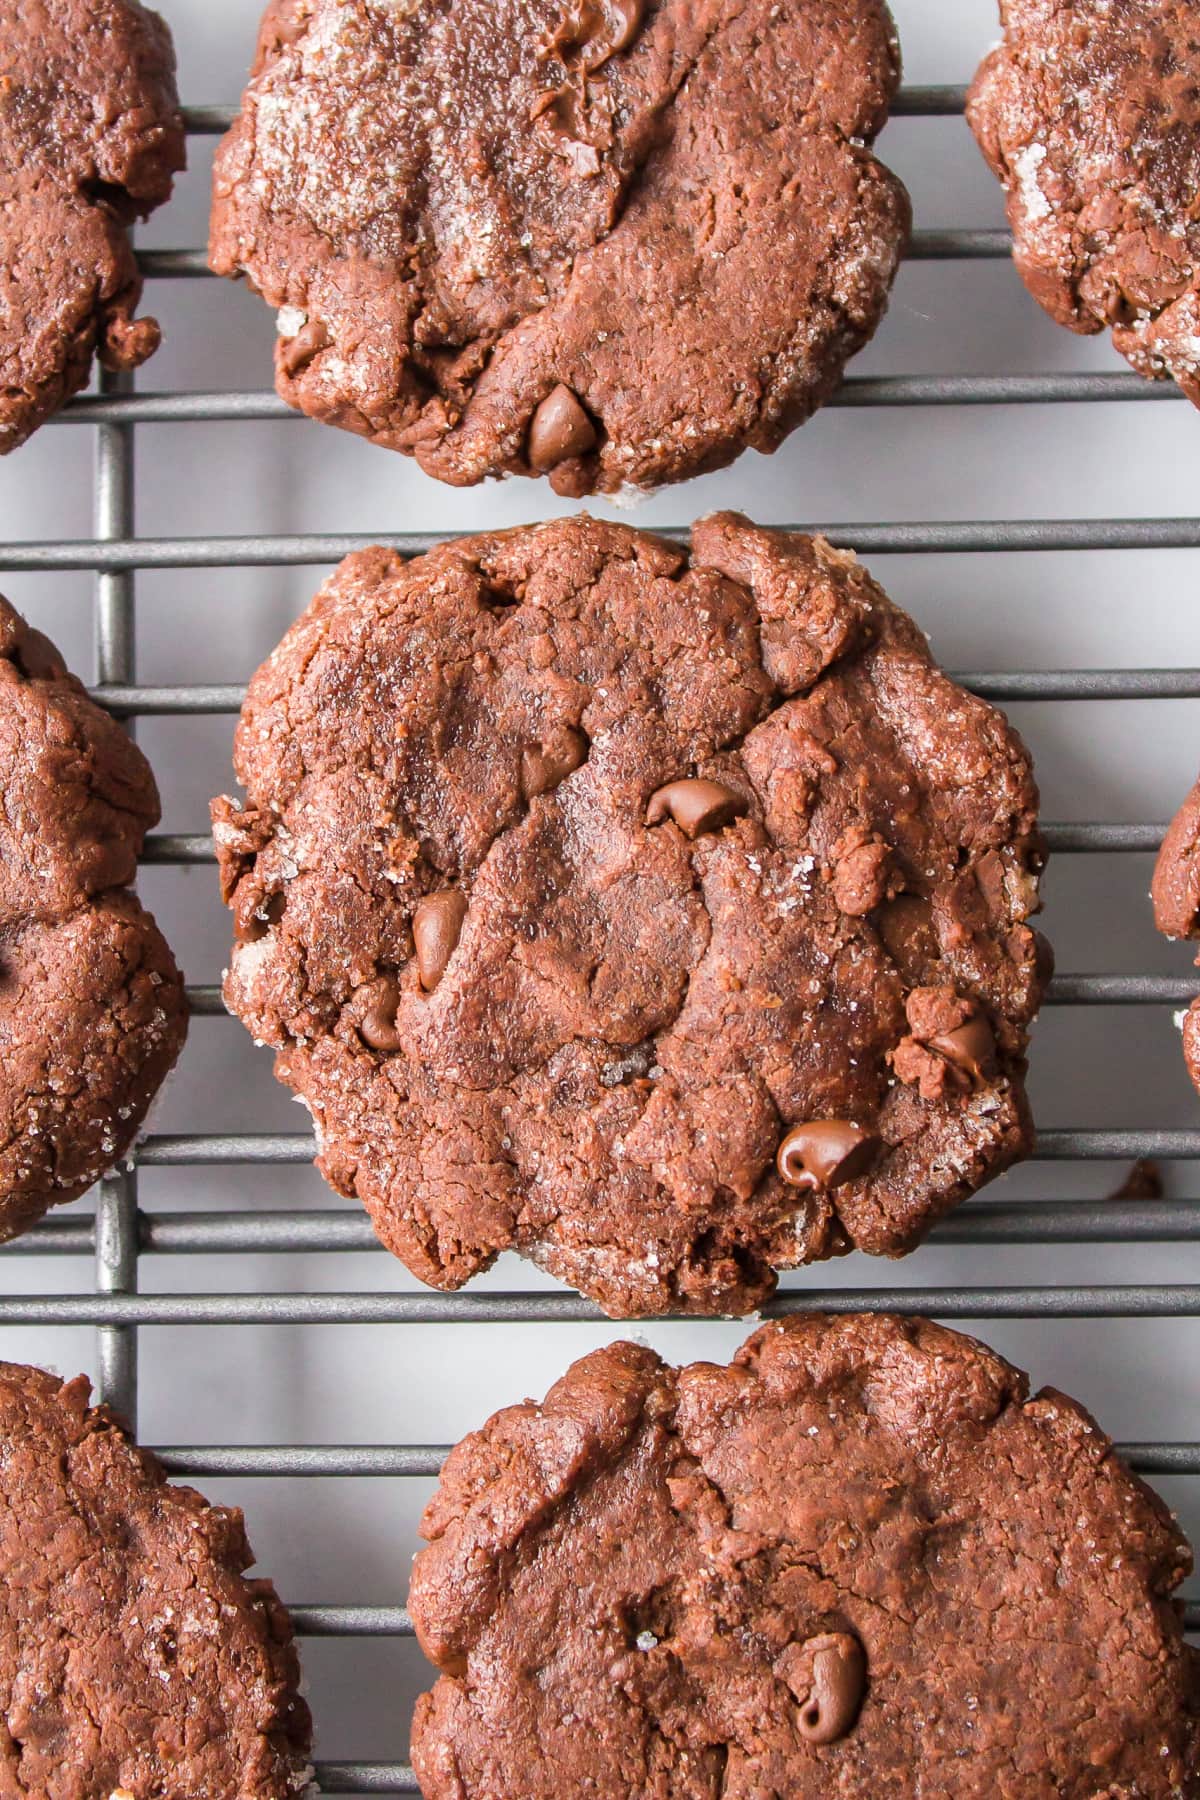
(121,1232)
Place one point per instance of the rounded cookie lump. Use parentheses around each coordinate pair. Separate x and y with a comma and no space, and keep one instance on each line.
(612,241)
(92,1010)
(579,879)
(1090,116)
(135,1658)
(90,138)
(1176,895)
(858,1560)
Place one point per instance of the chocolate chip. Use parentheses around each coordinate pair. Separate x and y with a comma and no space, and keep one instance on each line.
(600,27)
(970,1049)
(308,342)
(563,108)
(625,21)
(827,1675)
(825,1153)
(378,1025)
(696,806)
(437,926)
(543,766)
(252,928)
(561,431)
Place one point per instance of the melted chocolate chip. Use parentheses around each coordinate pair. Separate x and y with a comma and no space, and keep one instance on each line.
(599,28)
(543,766)
(827,1675)
(378,1026)
(970,1049)
(826,1153)
(298,351)
(696,806)
(560,431)
(268,912)
(437,926)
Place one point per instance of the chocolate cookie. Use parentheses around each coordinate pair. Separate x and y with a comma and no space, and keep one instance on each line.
(92,1011)
(1090,116)
(860,1560)
(1176,895)
(611,241)
(661,916)
(90,137)
(135,1659)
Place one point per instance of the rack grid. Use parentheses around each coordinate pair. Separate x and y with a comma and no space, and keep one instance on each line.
(121,1232)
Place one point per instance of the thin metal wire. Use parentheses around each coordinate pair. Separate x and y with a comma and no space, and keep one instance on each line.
(396,1621)
(424,1461)
(366,1778)
(855,391)
(126,700)
(116,1200)
(281,1232)
(1082,838)
(1065,990)
(209,1149)
(1142,1300)
(930,537)
(924,246)
(911,101)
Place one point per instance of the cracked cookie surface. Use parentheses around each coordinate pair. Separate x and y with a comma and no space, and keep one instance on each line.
(861,1559)
(1176,895)
(90,138)
(92,1010)
(135,1658)
(612,241)
(662,916)
(1089,114)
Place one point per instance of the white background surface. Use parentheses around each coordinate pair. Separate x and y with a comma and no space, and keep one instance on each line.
(349,1541)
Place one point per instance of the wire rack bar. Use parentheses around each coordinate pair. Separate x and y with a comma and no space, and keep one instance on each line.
(337,1461)
(1052,388)
(205,1002)
(928,101)
(396,1621)
(910,102)
(365,1778)
(208,1149)
(1134,1301)
(1121,990)
(1084,837)
(424,1461)
(352,1621)
(116,1239)
(1095,839)
(924,246)
(127,700)
(930,537)
(344,1229)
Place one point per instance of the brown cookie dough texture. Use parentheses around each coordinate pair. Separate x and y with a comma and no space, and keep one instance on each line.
(90,138)
(579,879)
(1176,896)
(135,1658)
(858,1561)
(92,1011)
(612,241)
(1090,116)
